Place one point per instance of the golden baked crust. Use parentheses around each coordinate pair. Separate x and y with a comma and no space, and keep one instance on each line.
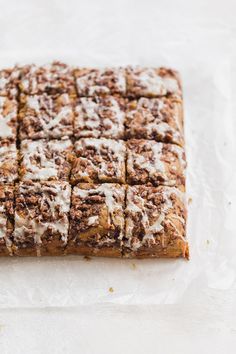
(155,223)
(97,220)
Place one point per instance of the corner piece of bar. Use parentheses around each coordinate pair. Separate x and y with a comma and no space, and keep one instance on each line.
(8,118)
(54,78)
(45,116)
(152,82)
(94,81)
(6,218)
(159,119)
(45,160)
(98,161)
(155,163)
(9,79)
(100,116)
(8,161)
(155,223)
(41,218)
(97,220)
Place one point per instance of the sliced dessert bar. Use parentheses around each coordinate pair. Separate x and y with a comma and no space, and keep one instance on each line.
(45,160)
(6,219)
(97,117)
(99,160)
(54,78)
(97,220)
(107,81)
(152,82)
(155,223)
(8,118)
(160,119)
(8,161)
(155,163)
(41,218)
(45,116)
(9,79)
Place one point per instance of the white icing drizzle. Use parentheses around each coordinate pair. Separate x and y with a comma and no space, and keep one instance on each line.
(37,165)
(60,199)
(6,131)
(114,155)
(101,118)
(136,204)
(8,159)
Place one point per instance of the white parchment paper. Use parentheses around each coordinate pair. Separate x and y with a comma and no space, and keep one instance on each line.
(211,152)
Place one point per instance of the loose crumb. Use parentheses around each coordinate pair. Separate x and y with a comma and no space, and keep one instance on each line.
(208,242)
(111,290)
(190,201)
(87,258)
(133,266)
(229,203)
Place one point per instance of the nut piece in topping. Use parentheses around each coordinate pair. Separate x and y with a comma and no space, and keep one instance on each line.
(107,81)
(45,116)
(97,117)
(155,163)
(97,220)
(8,161)
(155,223)
(9,79)
(152,82)
(45,160)
(6,219)
(55,78)
(99,160)
(8,118)
(41,218)
(159,119)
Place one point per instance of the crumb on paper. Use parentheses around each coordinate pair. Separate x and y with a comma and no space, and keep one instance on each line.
(87,258)
(111,290)
(190,200)
(208,242)
(229,203)
(133,266)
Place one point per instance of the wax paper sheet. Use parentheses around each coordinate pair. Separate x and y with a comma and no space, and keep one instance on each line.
(211,188)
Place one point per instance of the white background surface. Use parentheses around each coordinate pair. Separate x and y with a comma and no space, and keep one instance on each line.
(189,314)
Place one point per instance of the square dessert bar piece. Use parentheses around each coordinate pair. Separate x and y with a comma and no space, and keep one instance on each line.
(54,78)
(6,219)
(41,218)
(97,117)
(9,79)
(155,223)
(106,81)
(45,160)
(8,161)
(99,160)
(152,82)
(155,163)
(159,119)
(45,116)
(97,220)
(8,118)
